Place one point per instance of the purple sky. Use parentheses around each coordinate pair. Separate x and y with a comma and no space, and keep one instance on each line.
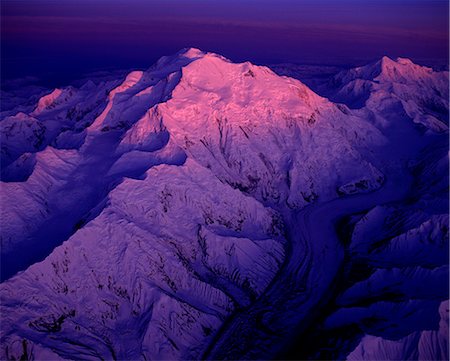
(62,39)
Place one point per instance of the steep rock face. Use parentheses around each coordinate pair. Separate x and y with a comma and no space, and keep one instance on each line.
(160,206)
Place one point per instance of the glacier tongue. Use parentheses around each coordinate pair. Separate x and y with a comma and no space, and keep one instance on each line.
(196,210)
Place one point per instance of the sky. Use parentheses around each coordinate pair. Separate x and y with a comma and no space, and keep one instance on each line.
(61,40)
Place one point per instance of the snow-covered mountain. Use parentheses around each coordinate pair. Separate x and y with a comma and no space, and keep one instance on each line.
(397,87)
(206,209)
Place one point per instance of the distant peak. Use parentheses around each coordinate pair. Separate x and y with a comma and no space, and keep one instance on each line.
(385,69)
(385,61)
(398,69)
(401,69)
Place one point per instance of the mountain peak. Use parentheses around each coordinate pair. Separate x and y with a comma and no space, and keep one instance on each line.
(386,64)
(400,70)
(191,53)
(180,58)
(386,69)
(385,60)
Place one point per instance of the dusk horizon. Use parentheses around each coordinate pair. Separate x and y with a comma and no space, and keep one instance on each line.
(52,40)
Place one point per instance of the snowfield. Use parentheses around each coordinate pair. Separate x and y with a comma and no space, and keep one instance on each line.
(203,209)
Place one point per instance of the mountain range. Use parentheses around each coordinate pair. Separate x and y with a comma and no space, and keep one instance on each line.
(203,209)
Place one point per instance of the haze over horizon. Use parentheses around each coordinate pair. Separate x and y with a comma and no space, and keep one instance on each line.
(60,41)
